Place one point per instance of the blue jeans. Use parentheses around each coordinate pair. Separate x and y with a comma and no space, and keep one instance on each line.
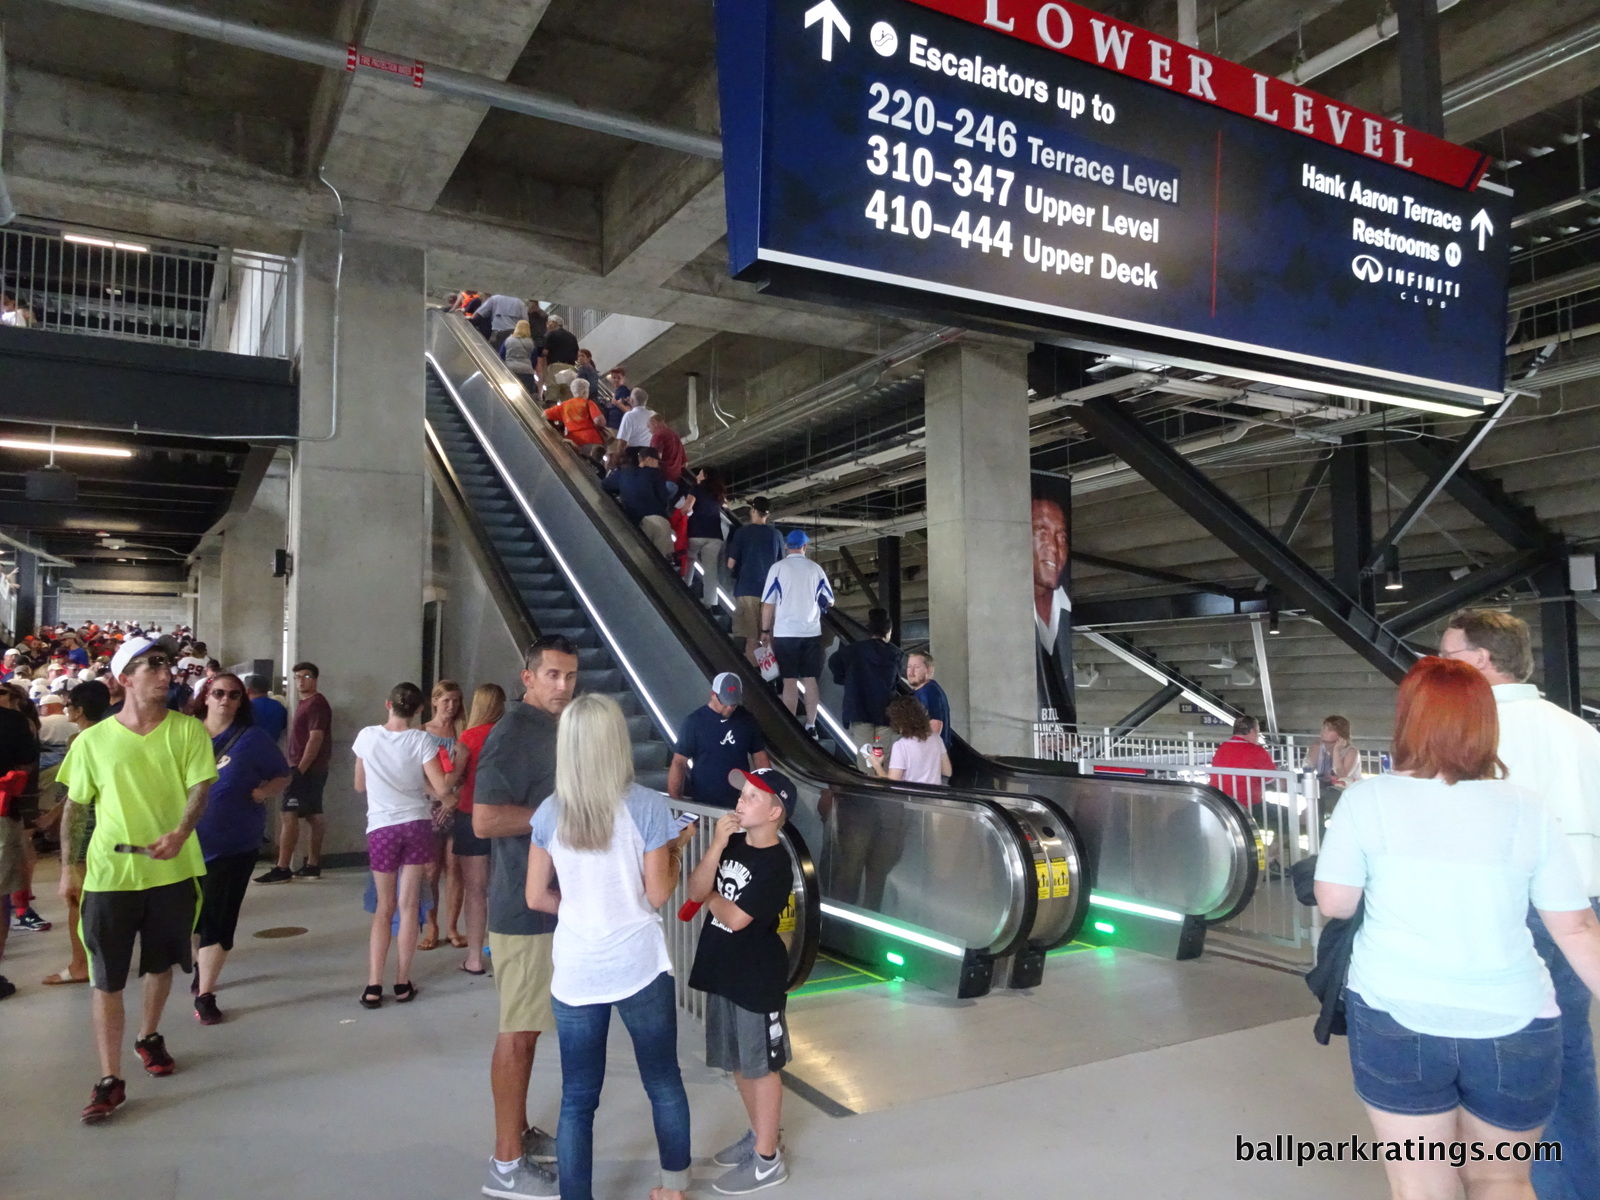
(1576,1123)
(651,1018)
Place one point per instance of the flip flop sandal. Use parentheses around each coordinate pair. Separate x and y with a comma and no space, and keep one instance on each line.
(62,977)
(459,942)
(429,942)
(405,993)
(372,997)
(470,971)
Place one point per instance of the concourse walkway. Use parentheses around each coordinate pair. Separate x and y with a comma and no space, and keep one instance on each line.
(1123,1075)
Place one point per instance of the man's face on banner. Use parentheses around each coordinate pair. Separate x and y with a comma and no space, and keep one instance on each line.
(1049,544)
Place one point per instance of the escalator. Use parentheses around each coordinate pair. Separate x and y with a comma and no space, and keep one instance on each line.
(1166,859)
(959,889)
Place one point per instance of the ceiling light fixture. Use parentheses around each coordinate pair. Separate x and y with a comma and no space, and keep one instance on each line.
(1393,581)
(84,239)
(65,447)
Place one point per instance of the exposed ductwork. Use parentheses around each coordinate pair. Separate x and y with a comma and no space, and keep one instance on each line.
(402,70)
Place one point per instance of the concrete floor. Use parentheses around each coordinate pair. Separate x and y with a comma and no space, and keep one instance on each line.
(1121,1076)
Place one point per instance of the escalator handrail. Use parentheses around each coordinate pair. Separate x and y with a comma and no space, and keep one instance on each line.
(708,646)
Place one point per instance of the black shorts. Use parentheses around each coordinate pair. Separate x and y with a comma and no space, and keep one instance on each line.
(162,918)
(798,657)
(466,843)
(303,796)
(221,893)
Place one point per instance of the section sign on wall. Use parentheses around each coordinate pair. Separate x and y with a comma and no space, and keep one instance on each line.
(1060,171)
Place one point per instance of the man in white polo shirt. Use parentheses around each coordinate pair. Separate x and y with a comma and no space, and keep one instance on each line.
(1557,755)
(796,595)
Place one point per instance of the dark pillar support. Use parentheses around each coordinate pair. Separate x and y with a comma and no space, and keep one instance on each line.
(1146,710)
(889,583)
(1558,628)
(1421,86)
(1194,494)
(49,597)
(1351,487)
(27,593)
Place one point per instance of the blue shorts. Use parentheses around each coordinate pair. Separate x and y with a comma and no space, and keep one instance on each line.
(1509,1082)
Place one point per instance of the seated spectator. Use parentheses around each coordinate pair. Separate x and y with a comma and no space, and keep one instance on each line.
(645,499)
(579,416)
(1244,752)
(669,449)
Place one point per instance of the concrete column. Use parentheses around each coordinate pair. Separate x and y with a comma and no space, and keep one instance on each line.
(210,617)
(980,575)
(252,600)
(27,593)
(355,511)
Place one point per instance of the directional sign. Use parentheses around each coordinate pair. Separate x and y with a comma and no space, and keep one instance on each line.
(1016,163)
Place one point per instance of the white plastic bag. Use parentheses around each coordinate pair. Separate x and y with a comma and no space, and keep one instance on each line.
(767,663)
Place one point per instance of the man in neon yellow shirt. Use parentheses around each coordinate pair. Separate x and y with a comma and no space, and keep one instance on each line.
(147,771)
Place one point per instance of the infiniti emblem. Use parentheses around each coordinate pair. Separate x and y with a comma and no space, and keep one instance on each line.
(1367,268)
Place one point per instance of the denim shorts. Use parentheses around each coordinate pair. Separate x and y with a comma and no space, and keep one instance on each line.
(1509,1082)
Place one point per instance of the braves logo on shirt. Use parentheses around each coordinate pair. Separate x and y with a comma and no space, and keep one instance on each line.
(728,739)
(732,878)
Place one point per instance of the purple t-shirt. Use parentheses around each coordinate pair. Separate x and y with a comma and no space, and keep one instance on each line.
(233,822)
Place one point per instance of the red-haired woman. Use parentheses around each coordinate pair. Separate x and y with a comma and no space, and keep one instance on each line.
(1454,1030)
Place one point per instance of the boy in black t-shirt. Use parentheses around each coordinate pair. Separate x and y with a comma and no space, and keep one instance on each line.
(745,881)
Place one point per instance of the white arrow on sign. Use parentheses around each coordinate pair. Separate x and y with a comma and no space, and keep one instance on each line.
(830,16)
(1484,226)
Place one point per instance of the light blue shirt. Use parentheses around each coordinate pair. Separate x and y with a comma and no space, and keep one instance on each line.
(1448,873)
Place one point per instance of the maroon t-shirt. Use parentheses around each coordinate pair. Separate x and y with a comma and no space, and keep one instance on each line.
(314,712)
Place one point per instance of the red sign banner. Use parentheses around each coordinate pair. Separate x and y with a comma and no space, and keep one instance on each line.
(1095,38)
(355,56)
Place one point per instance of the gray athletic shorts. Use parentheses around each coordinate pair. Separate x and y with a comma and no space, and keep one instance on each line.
(750,1043)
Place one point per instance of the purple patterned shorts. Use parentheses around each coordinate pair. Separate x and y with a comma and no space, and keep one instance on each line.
(395,846)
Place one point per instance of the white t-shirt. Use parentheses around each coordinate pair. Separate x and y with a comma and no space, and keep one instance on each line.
(608,943)
(920,758)
(1557,757)
(396,783)
(56,730)
(634,428)
(191,663)
(1448,873)
(799,590)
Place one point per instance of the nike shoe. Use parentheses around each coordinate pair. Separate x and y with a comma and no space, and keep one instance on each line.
(153,1053)
(525,1181)
(276,875)
(735,1154)
(752,1175)
(28,921)
(309,871)
(107,1097)
(206,1010)
(538,1146)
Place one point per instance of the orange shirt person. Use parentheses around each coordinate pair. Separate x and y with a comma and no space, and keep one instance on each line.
(580,417)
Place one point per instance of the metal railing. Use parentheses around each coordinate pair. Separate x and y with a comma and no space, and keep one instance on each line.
(1286,809)
(132,288)
(1056,742)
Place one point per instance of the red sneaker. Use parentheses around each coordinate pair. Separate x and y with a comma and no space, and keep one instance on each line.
(106,1098)
(153,1053)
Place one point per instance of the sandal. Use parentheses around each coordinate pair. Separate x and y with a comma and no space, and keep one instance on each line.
(372,997)
(63,976)
(459,942)
(429,940)
(470,971)
(405,993)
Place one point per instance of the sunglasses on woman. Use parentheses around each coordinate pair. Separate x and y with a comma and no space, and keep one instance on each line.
(225,694)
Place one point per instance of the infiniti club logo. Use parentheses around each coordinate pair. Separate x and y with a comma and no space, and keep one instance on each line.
(1367,268)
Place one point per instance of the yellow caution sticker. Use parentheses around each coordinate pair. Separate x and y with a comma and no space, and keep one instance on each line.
(786,918)
(1060,880)
(1261,852)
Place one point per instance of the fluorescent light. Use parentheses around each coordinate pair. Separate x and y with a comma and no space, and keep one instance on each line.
(65,447)
(906,935)
(84,239)
(1130,906)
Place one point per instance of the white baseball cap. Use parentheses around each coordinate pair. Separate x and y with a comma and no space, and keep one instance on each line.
(132,649)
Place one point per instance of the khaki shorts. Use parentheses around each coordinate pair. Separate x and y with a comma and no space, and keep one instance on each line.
(747,617)
(522,969)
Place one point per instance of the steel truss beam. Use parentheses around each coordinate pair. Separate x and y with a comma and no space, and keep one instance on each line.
(1164,674)
(1145,711)
(1182,483)
(1115,564)
(1467,590)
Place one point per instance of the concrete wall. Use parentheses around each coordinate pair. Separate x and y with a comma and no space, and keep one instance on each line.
(252,599)
(476,645)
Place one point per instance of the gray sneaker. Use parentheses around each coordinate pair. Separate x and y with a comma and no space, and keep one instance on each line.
(526,1181)
(752,1175)
(538,1146)
(735,1154)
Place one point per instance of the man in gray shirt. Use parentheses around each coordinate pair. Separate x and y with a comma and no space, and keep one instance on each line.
(516,772)
(503,313)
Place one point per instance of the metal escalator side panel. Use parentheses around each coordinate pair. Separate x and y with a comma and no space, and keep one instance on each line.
(671,649)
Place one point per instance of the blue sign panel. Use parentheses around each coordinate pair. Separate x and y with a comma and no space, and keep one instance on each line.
(879,152)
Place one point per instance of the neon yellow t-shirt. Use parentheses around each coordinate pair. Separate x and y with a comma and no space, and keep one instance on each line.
(139,787)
